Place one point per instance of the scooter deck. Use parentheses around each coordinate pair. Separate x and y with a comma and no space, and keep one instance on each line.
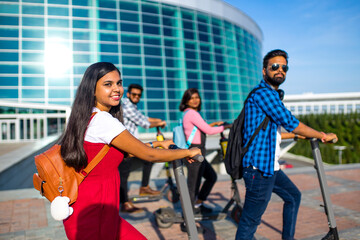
(168,215)
(215,216)
(146,198)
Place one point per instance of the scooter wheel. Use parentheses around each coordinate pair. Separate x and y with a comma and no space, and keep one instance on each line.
(236,213)
(164,213)
(174,198)
(162,224)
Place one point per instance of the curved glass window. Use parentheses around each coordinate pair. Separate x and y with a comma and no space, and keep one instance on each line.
(4,32)
(164,47)
(5,44)
(63,2)
(125,5)
(10,81)
(33,81)
(127,16)
(58,11)
(9,93)
(107,14)
(33,21)
(9,57)
(63,23)
(79,12)
(81,24)
(30,9)
(33,93)
(9,8)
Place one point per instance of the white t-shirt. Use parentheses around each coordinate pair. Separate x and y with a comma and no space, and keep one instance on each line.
(277,149)
(103,128)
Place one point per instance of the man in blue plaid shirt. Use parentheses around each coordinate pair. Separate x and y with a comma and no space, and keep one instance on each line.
(132,119)
(261,173)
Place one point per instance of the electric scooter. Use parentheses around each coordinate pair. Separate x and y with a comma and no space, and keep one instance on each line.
(169,189)
(235,186)
(165,217)
(333,233)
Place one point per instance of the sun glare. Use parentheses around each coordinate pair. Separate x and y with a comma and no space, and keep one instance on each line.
(58,58)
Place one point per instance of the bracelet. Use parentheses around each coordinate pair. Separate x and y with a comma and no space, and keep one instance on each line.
(323,139)
(151,144)
(296,137)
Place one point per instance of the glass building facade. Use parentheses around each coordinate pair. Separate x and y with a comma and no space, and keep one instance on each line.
(166,46)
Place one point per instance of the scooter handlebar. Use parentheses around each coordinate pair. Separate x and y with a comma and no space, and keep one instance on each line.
(198,158)
(332,141)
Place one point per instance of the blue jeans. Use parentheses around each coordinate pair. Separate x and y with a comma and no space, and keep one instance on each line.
(258,194)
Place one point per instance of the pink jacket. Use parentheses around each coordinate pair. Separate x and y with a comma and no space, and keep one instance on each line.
(193,118)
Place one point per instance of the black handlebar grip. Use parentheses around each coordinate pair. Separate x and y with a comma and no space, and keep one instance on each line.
(198,158)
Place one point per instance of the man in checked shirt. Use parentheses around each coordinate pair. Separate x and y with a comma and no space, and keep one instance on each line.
(132,119)
(261,173)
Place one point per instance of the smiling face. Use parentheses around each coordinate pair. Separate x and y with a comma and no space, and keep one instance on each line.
(134,95)
(194,101)
(109,91)
(275,77)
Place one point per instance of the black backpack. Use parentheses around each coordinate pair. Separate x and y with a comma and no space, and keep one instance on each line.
(235,150)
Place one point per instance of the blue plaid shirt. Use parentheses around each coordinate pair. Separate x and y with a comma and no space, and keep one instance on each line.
(265,101)
(133,117)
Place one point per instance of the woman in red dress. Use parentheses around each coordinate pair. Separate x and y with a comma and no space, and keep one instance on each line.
(96,211)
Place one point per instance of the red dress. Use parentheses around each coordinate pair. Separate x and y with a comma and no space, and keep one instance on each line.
(96,211)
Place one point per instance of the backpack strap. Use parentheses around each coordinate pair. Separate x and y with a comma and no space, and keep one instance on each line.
(263,124)
(192,135)
(101,154)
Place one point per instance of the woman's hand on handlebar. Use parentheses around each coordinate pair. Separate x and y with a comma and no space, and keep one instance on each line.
(193,152)
(219,123)
(164,144)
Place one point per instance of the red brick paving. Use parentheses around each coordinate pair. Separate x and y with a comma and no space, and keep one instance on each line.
(350,200)
(20,215)
(352,175)
(310,222)
(173,233)
(28,214)
(308,182)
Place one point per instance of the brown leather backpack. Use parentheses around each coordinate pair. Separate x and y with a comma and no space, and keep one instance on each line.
(55,178)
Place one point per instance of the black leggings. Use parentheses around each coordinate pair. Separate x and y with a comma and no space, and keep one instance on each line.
(124,170)
(196,171)
(146,173)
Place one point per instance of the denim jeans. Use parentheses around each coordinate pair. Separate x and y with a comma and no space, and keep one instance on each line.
(258,194)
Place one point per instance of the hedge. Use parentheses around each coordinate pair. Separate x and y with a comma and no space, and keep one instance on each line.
(345,126)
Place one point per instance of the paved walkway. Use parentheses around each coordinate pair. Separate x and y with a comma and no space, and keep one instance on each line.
(25,215)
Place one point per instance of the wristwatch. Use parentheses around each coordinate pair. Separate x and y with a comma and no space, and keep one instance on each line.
(296,137)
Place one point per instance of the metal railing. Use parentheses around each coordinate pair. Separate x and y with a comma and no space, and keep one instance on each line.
(21,122)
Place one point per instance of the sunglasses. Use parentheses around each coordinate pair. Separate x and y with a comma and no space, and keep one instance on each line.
(276,66)
(136,94)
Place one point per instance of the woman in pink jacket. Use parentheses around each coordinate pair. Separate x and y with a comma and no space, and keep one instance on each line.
(191,105)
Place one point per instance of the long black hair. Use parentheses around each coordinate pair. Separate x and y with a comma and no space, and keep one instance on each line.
(186,97)
(72,149)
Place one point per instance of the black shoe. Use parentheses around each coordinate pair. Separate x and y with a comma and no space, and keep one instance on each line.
(199,229)
(202,210)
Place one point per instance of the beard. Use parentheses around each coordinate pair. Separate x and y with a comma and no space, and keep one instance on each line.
(276,80)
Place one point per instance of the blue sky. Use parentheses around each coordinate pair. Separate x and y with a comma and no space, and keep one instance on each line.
(322,39)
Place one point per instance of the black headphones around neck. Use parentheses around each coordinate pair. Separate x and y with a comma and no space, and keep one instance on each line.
(281,94)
